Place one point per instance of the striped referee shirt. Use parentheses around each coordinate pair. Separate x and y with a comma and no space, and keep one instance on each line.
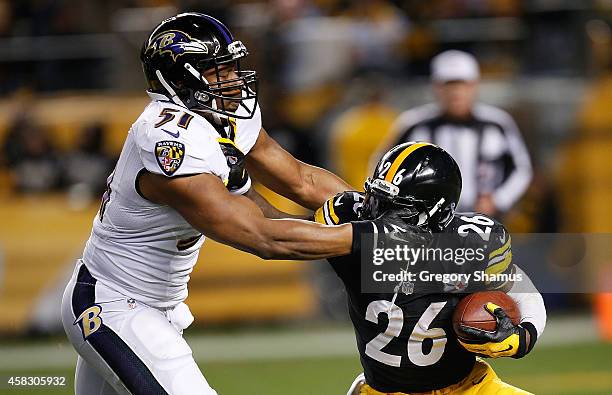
(488,148)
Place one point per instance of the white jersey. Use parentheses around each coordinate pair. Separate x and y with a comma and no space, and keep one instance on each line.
(147,250)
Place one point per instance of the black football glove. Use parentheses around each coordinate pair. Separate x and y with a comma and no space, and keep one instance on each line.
(340,209)
(508,340)
(238,176)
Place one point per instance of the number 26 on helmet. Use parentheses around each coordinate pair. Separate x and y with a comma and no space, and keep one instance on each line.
(419,179)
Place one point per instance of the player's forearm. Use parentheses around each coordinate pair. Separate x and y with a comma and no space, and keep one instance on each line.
(317,186)
(303,240)
(237,221)
(531,305)
(529,301)
(241,225)
(277,169)
(269,210)
(246,229)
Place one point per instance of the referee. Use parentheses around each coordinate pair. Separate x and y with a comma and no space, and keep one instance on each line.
(484,140)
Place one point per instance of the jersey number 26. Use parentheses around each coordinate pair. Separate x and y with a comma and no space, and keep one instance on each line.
(420,332)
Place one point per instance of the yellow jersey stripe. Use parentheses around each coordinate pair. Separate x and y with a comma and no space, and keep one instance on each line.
(501,249)
(403,155)
(320,216)
(500,267)
(228,141)
(332,213)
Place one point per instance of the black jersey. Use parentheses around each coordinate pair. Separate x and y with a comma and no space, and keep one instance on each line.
(406,341)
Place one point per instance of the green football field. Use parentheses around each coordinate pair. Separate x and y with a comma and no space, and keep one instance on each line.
(560,370)
(554,370)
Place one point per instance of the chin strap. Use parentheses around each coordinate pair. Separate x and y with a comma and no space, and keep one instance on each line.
(168,88)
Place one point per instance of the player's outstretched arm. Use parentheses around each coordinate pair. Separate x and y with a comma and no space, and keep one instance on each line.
(235,220)
(307,185)
(269,211)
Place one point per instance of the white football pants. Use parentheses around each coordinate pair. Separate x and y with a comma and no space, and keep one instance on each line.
(125,346)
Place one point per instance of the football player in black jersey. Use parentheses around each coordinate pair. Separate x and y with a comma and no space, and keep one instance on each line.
(406,340)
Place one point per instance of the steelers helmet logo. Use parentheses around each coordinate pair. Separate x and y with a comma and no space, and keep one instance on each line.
(169,155)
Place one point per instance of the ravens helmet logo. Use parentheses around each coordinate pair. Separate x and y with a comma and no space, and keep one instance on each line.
(177,43)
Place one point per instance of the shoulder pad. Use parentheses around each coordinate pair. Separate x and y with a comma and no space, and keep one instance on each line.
(168,148)
(482,231)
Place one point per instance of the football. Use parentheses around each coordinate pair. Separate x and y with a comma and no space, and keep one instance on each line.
(471,311)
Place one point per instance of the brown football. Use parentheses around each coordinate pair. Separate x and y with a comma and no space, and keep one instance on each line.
(471,312)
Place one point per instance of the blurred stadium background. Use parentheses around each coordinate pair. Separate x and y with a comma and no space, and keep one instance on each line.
(333,76)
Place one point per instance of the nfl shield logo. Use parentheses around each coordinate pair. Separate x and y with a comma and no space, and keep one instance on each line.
(169,156)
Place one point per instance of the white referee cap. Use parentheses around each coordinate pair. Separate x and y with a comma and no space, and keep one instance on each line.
(454,65)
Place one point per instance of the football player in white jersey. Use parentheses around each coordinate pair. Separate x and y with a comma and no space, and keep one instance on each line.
(182,174)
